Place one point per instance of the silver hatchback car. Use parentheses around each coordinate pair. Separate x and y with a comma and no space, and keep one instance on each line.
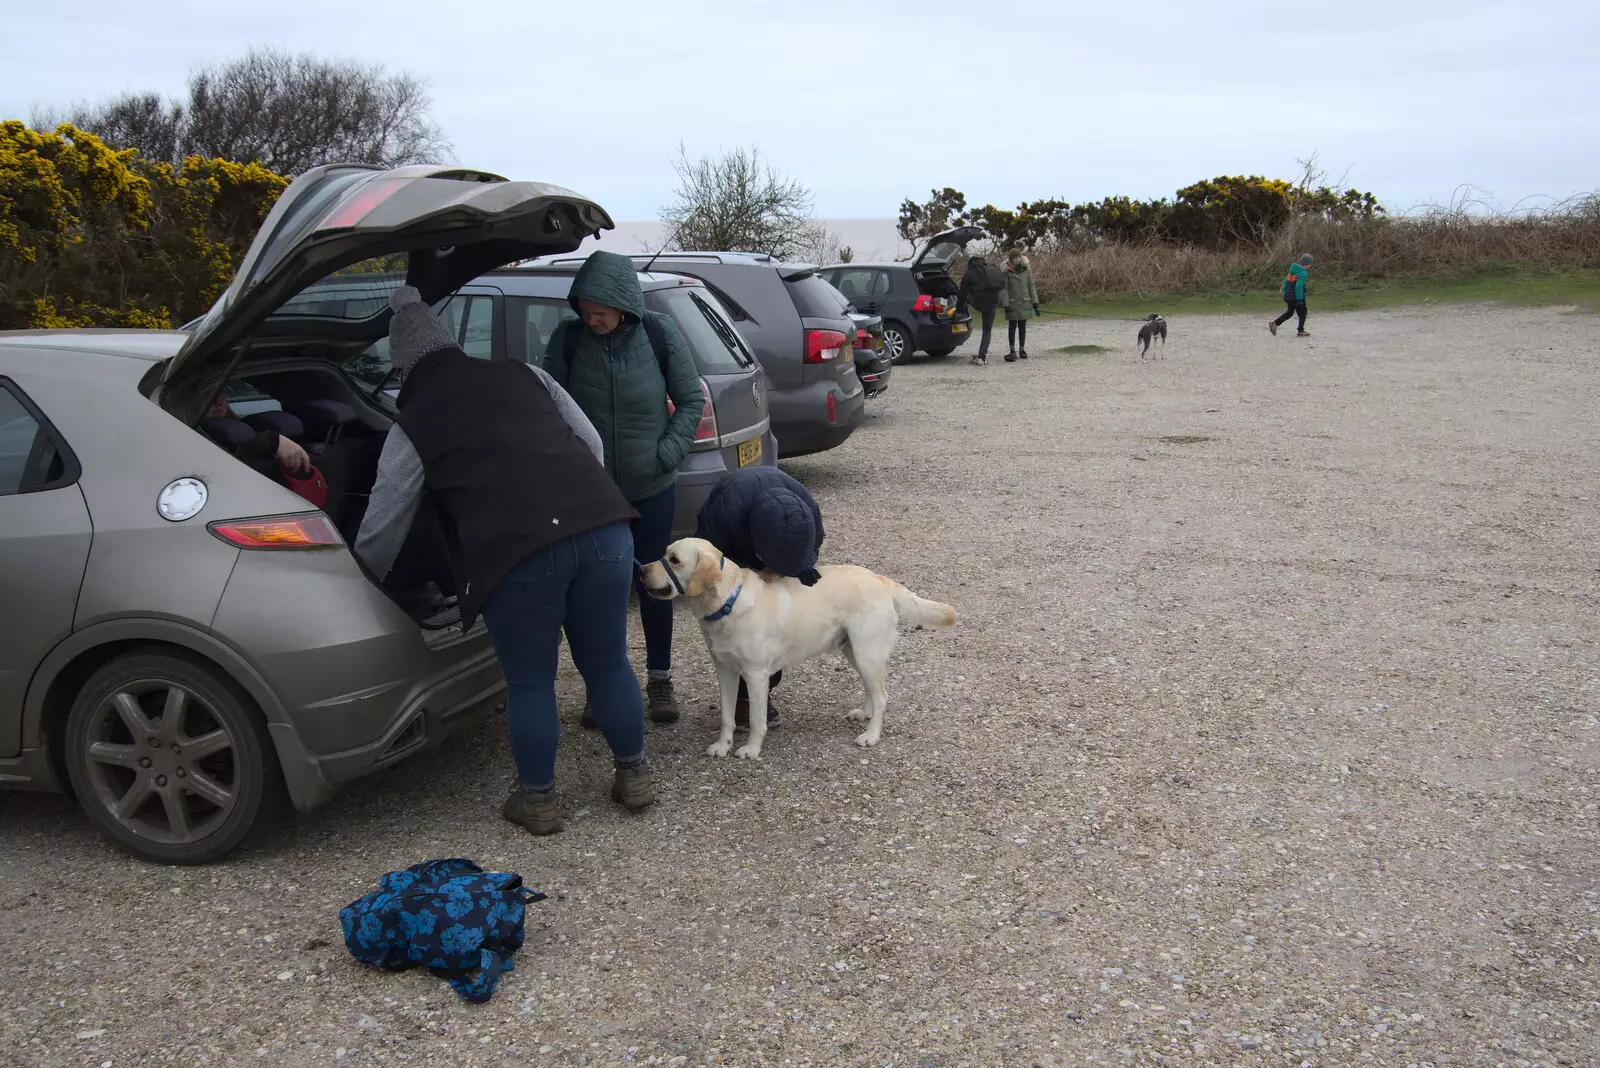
(187,641)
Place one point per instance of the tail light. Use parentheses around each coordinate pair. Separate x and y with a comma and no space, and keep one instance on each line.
(832,409)
(311,531)
(706,430)
(823,345)
(864,341)
(925,303)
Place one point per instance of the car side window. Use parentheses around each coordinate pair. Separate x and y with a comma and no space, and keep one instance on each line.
(540,317)
(861,285)
(856,284)
(32,455)
(469,316)
(471,319)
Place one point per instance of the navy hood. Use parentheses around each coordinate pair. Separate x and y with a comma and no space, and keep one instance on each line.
(784,534)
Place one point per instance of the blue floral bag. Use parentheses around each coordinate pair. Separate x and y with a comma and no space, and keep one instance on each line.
(450,916)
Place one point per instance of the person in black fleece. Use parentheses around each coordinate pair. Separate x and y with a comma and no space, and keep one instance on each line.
(765,521)
(537,533)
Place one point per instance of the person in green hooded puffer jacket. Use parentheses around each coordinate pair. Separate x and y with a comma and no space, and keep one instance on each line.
(605,360)
(1019,296)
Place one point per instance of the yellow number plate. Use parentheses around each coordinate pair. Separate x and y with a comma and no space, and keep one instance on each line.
(750,452)
(959,328)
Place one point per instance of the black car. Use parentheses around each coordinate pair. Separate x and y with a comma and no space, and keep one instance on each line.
(916,299)
(872,357)
(801,332)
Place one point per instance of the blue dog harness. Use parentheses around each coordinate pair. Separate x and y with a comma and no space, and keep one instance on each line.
(450,916)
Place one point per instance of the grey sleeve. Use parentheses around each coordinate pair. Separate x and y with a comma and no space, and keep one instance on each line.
(396,495)
(572,414)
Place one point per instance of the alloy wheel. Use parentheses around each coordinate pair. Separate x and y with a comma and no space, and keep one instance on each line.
(162,763)
(895,343)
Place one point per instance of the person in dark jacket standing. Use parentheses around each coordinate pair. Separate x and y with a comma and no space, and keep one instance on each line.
(763,520)
(1021,295)
(1294,297)
(981,286)
(608,364)
(538,536)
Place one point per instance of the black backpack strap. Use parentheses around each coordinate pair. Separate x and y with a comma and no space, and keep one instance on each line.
(658,339)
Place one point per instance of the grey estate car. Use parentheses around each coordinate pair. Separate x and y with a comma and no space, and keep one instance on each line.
(801,331)
(187,640)
(509,314)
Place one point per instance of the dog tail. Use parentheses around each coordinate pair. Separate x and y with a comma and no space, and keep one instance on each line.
(919,611)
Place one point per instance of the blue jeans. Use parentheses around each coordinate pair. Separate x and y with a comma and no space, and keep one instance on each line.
(651,537)
(580,584)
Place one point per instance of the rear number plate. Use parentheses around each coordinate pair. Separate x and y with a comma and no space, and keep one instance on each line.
(958,328)
(750,452)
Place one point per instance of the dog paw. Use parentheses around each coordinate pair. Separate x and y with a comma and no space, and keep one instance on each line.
(858,715)
(867,739)
(748,752)
(719,749)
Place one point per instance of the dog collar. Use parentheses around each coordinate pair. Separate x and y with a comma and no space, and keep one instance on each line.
(727,606)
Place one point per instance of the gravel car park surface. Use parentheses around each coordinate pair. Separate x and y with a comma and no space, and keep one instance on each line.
(1269,735)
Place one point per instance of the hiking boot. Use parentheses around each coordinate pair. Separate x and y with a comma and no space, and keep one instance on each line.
(588,716)
(741,713)
(1272,326)
(535,812)
(660,701)
(634,788)
(1011,357)
(1022,354)
(1302,333)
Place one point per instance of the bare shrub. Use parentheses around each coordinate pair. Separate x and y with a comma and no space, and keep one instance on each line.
(738,203)
(287,112)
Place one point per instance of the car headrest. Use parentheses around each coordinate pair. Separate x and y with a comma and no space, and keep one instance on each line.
(229,433)
(287,425)
(321,417)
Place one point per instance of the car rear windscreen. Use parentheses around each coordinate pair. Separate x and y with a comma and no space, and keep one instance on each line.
(814,297)
(717,348)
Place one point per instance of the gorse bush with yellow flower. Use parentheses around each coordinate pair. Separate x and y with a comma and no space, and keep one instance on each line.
(95,236)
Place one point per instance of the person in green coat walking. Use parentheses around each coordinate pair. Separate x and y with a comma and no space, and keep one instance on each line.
(606,361)
(1020,298)
(1294,297)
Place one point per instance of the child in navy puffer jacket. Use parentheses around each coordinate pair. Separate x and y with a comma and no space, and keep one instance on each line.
(764,520)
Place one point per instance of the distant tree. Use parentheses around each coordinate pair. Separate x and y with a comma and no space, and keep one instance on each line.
(945,208)
(823,247)
(287,112)
(738,203)
(1223,212)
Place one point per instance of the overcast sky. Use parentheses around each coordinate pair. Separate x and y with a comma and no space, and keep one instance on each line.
(869,102)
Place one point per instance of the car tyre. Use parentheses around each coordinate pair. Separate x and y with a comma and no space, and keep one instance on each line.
(897,342)
(941,353)
(171,758)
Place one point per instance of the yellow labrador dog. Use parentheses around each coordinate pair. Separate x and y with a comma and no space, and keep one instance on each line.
(754,628)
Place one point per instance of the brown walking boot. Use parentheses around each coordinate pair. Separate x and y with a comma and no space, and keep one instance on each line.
(634,788)
(660,701)
(535,812)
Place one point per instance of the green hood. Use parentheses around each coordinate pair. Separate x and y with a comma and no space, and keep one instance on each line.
(609,279)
